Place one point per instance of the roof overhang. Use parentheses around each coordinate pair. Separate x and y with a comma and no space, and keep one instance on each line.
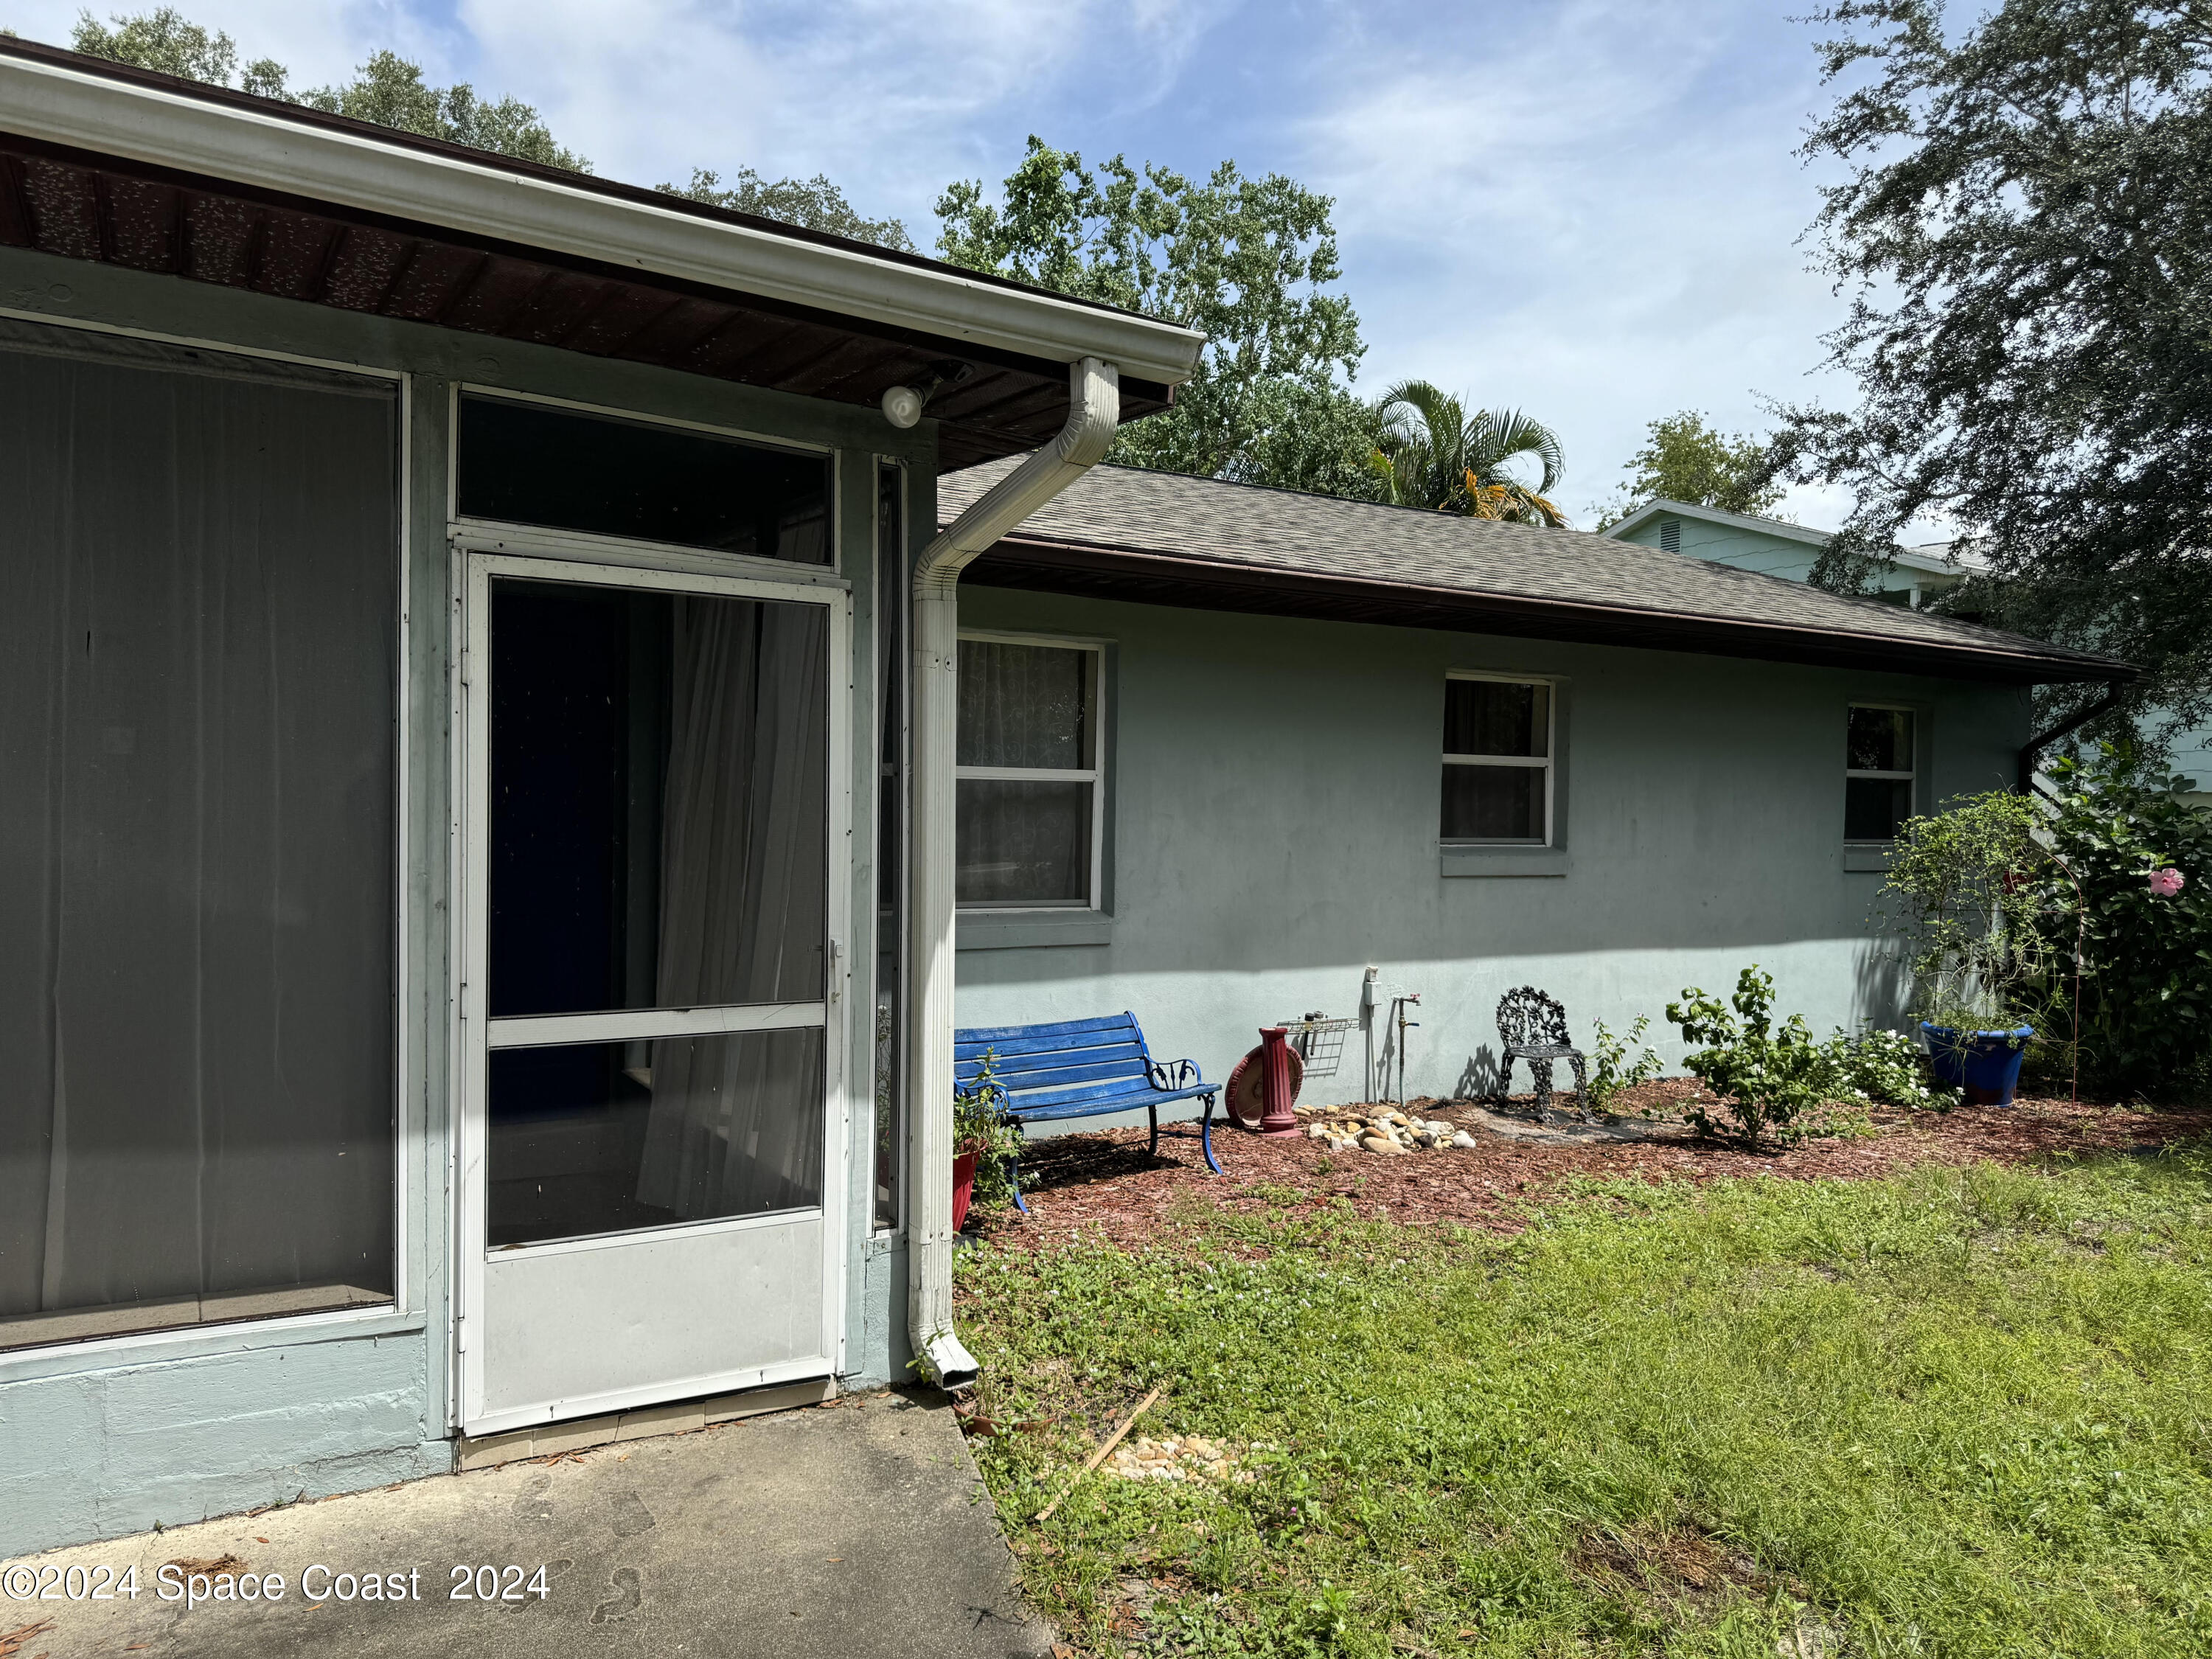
(98,161)
(1154,578)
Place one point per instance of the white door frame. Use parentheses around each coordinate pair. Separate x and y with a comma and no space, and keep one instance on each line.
(475,570)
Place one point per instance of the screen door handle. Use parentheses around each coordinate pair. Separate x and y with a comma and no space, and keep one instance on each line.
(837,967)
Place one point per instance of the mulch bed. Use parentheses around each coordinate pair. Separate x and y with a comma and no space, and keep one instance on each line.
(1104,1188)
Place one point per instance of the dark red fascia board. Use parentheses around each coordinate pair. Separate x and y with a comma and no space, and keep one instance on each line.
(1200,584)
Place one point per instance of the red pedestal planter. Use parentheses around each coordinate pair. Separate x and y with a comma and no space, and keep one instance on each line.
(1264,1085)
(963,1189)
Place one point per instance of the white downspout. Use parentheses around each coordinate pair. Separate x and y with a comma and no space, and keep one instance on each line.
(1094,409)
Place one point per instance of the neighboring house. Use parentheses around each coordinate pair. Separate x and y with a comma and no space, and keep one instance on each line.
(453,690)
(1913,577)
(1226,748)
(1774,547)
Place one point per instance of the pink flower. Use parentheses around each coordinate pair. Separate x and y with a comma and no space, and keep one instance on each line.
(2165,883)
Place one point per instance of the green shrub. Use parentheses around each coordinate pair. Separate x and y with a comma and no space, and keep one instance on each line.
(1766,1075)
(1991,896)
(1614,1070)
(1976,933)
(2147,966)
(1770,1076)
(1886,1068)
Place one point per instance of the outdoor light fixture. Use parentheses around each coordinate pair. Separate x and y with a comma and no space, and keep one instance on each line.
(902,404)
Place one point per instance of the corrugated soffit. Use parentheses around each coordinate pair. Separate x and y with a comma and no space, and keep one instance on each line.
(84,206)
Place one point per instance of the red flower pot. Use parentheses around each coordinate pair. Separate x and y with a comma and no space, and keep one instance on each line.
(964,1188)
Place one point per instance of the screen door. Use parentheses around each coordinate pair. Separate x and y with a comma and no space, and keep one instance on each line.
(651,1149)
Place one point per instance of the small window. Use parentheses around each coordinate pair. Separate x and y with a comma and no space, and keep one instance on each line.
(1028,780)
(527,462)
(1497,761)
(1878,776)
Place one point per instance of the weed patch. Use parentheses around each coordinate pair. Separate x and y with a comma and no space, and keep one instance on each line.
(1960,1411)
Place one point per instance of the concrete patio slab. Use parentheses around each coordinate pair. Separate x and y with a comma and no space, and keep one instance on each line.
(856,1529)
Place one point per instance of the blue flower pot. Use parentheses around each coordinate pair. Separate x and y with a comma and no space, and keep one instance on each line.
(1985,1064)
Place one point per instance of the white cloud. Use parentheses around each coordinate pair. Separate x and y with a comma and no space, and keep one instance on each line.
(893,101)
(1592,219)
(1587,211)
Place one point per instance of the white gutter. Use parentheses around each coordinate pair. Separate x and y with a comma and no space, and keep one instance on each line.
(87,111)
(1094,389)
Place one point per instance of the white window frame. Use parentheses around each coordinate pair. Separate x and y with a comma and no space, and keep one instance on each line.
(1909,777)
(632,549)
(1095,773)
(1547,760)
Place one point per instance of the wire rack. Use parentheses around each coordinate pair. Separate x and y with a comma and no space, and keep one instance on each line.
(1319,1041)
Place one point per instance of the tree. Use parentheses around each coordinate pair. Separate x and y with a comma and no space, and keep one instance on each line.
(1431,453)
(2025,233)
(165,40)
(1683,460)
(388,89)
(391,91)
(815,202)
(1250,261)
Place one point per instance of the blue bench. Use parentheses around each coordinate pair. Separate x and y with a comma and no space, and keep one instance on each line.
(1079,1068)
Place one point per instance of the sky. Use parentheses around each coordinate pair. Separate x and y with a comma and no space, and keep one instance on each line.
(1587,210)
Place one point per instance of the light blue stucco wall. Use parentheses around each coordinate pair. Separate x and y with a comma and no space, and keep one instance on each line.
(114,1437)
(1275,786)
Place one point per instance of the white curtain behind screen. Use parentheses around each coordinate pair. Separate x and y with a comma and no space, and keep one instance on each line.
(736,1124)
(199,614)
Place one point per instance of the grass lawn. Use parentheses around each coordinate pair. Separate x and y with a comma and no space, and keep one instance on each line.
(1953,1412)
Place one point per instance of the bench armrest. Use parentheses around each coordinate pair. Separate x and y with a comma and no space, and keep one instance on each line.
(1173,1074)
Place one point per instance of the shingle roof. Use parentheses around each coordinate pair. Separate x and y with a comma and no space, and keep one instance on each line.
(1165,536)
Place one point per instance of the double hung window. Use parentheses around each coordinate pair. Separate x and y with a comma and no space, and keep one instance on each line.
(1877,772)
(1030,781)
(1497,761)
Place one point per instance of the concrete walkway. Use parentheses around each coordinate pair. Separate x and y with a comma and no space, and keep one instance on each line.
(857,1530)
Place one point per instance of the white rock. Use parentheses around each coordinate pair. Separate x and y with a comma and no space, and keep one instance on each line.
(1463,1140)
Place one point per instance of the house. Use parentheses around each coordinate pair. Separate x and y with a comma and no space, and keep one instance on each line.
(1775,547)
(457,625)
(517,760)
(1914,576)
(1225,749)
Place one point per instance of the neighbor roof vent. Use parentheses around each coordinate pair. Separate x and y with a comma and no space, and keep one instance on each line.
(1670,535)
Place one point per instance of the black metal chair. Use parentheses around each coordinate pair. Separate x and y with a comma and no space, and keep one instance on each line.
(1532,1026)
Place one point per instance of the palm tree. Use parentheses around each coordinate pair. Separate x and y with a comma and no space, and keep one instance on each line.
(1430,452)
